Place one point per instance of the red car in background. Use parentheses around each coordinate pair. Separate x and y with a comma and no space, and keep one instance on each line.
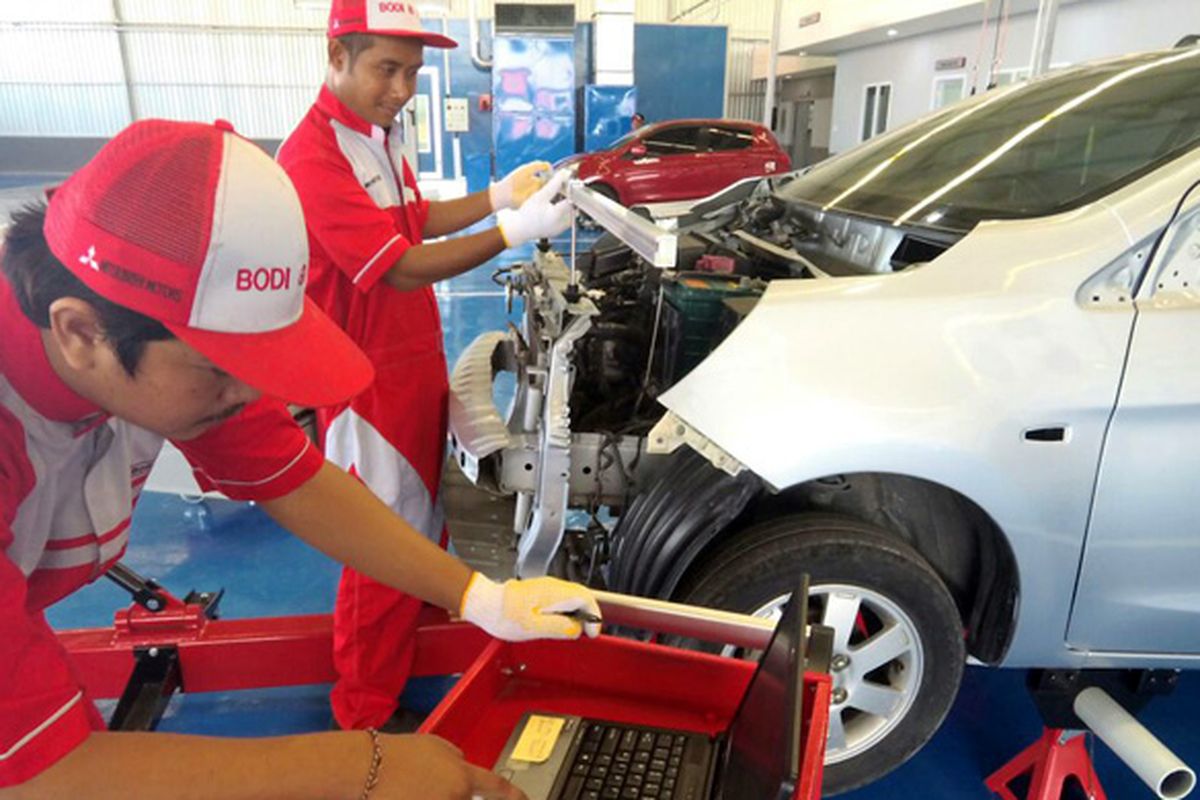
(682,159)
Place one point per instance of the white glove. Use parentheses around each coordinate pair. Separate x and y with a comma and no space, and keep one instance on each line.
(538,217)
(518,185)
(538,608)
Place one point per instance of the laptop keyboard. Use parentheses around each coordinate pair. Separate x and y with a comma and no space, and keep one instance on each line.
(614,762)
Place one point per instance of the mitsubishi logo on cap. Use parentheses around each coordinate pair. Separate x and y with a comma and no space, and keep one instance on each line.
(89,258)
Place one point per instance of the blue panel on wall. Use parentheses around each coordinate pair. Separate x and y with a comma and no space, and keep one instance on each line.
(472,82)
(679,70)
(607,112)
(427,161)
(584,74)
(533,82)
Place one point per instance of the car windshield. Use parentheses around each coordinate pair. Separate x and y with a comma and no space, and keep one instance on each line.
(1036,149)
(624,140)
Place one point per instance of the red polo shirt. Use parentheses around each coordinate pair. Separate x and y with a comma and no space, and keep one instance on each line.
(69,479)
(363,210)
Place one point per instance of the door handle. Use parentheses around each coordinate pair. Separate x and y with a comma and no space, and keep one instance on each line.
(1053,433)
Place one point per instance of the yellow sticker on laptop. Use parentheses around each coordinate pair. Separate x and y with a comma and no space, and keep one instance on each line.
(538,738)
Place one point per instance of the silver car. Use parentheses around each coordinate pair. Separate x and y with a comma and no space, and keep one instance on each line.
(947,373)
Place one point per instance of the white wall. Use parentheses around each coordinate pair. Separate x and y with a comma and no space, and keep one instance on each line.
(832,20)
(908,64)
(1086,30)
(87,67)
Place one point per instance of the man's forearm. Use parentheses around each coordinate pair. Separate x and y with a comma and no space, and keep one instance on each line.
(450,216)
(124,765)
(340,517)
(321,766)
(426,264)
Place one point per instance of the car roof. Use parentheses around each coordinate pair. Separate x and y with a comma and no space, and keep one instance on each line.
(698,122)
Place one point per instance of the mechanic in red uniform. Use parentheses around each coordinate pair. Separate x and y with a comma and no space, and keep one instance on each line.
(372,273)
(161,295)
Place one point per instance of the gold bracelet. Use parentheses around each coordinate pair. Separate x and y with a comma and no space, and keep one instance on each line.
(376,763)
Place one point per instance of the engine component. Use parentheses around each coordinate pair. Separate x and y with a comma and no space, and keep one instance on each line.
(690,326)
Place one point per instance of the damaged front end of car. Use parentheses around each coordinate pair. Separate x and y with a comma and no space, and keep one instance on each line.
(615,485)
(604,333)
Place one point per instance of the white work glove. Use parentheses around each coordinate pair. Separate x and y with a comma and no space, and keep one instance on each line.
(539,216)
(538,608)
(519,185)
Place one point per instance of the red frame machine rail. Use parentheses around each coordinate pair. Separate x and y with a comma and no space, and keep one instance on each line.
(162,644)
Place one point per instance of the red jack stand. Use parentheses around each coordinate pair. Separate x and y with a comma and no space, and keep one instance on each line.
(1049,762)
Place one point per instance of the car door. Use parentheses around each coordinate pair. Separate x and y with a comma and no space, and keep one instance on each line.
(735,156)
(1139,584)
(670,169)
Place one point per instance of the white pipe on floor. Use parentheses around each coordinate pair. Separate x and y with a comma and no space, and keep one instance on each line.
(1150,760)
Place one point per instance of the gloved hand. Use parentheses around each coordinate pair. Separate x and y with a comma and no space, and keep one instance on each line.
(518,185)
(518,611)
(539,216)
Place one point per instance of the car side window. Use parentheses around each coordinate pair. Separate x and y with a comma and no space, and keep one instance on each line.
(729,139)
(680,140)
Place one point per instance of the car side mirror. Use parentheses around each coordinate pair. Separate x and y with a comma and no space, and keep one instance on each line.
(637,150)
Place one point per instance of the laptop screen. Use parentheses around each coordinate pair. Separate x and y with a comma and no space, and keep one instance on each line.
(762,748)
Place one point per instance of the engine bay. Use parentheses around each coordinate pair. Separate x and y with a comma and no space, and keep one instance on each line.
(606,331)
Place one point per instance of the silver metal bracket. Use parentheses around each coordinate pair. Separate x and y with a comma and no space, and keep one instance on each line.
(670,432)
(654,243)
(539,541)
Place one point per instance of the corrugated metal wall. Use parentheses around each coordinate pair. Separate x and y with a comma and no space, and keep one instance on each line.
(744,97)
(257,62)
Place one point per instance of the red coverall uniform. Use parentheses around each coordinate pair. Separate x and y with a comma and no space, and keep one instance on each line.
(69,479)
(363,211)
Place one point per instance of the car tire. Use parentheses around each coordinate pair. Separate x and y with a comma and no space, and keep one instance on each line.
(865,583)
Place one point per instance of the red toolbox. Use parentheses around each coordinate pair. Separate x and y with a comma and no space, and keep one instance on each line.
(162,645)
(616,679)
(633,682)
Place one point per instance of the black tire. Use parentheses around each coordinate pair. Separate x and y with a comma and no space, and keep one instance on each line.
(763,562)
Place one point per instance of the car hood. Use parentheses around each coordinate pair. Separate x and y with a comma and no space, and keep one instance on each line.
(839,375)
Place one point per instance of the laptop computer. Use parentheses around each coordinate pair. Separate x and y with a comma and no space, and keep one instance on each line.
(558,757)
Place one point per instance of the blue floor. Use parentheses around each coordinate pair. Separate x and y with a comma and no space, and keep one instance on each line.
(266,572)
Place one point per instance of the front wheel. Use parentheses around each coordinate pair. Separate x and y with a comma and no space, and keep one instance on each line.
(898,649)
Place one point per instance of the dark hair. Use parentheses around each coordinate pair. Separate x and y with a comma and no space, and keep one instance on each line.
(639,115)
(38,279)
(355,44)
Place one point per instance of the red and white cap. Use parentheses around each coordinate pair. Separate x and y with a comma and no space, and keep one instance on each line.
(383,18)
(196,227)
